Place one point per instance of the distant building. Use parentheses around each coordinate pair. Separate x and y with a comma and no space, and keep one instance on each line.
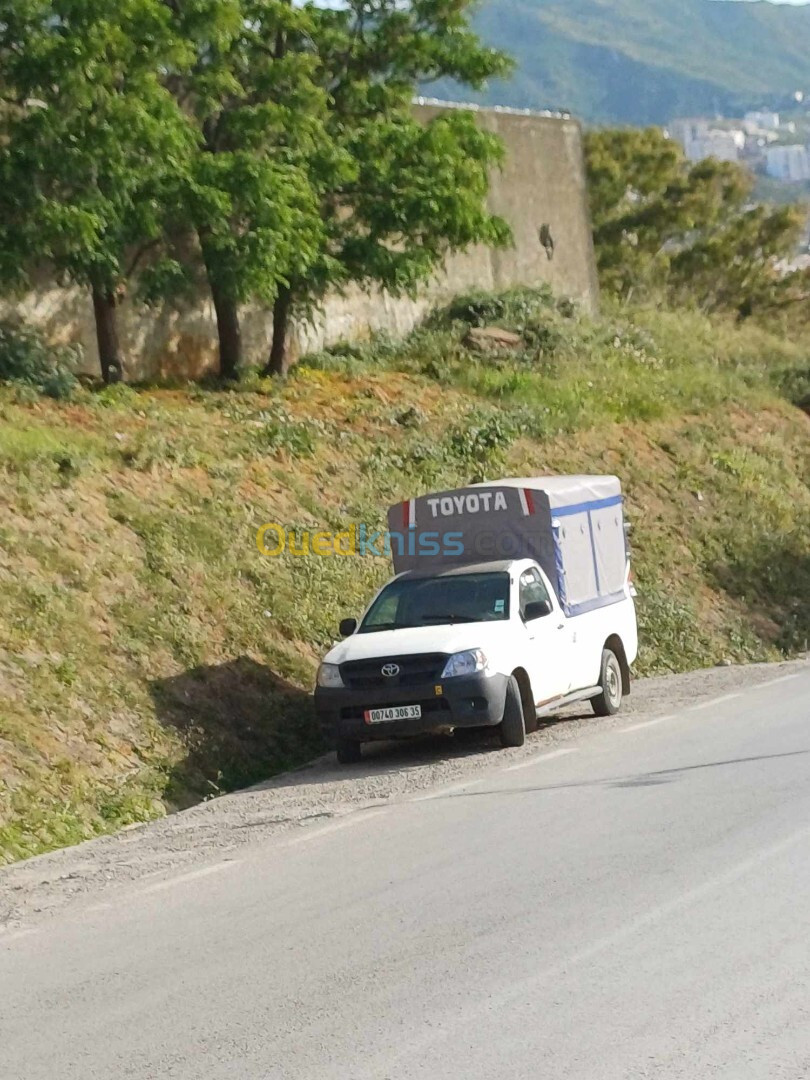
(788,162)
(722,145)
(687,131)
(700,140)
(762,120)
(718,144)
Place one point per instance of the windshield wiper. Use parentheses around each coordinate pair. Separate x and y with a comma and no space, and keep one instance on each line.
(448,618)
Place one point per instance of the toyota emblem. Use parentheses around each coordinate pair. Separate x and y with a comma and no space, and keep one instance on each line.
(390,671)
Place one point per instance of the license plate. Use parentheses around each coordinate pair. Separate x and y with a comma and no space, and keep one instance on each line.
(398,712)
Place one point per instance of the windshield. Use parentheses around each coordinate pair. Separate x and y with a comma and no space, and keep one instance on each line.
(463,598)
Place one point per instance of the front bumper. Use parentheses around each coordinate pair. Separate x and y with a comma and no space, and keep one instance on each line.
(466,701)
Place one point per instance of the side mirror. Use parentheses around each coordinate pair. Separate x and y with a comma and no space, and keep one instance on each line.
(537,609)
(347,627)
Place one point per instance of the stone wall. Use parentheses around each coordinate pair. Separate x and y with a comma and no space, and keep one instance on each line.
(540,190)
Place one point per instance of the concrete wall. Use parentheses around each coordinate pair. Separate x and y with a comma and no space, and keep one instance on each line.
(541,191)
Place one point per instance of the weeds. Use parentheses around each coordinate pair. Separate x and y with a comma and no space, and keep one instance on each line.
(278,432)
(150,657)
(30,364)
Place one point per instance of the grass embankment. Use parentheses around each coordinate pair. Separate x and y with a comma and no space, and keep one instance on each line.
(149,656)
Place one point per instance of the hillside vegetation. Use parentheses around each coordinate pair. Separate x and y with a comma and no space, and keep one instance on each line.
(151,657)
(645,61)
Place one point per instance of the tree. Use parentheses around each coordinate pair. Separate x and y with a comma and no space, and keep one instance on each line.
(663,225)
(88,137)
(248,194)
(415,191)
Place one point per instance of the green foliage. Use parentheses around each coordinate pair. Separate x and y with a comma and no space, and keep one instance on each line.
(27,360)
(279,432)
(794,383)
(620,367)
(142,633)
(671,624)
(257,110)
(409,193)
(418,194)
(513,308)
(269,145)
(87,143)
(118,396)
(663,225)
(481,442)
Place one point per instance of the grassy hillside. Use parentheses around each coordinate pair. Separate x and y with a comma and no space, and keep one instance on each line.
(150,656)
(645,61)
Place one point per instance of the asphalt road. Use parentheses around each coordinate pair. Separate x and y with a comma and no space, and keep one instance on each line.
(635,903)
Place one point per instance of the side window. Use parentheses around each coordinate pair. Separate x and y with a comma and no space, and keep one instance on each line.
(386,610)
(532,589)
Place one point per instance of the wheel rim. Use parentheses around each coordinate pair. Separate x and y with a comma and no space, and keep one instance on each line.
(614,683)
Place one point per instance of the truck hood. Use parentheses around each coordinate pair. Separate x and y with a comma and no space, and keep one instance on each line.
(421,639)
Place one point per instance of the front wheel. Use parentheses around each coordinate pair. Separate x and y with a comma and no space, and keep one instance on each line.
(609,700)
(512,729)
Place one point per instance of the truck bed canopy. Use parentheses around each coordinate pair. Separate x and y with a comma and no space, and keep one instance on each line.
(573,526)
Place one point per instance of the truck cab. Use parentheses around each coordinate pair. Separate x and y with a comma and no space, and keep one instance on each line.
(449,643)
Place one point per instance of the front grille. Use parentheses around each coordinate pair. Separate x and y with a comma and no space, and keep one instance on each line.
(413,671)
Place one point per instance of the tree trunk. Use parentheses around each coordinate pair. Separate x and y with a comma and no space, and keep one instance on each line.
(228,330)
(109,346)
(226,308)
(276,365)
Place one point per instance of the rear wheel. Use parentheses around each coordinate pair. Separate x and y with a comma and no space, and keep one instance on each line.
(609,701)
(512,728)
(349,751)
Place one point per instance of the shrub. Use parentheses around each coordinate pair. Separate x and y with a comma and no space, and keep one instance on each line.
(794,384)
(280,432)
(514,308)
(480,442)
(117,396)
(27,360)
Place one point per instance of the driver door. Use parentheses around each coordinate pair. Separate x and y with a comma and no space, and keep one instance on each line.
(548,640)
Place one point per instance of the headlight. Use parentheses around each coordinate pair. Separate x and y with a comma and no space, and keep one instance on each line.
(465,663)
(329,676)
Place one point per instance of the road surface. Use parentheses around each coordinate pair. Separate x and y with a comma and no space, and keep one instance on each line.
(633,902)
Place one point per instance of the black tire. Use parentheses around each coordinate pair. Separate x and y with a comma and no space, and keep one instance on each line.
(531,722)
(512,728)
(609,701)
(349,751)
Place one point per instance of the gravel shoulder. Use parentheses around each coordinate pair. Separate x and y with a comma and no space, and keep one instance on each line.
(320,791)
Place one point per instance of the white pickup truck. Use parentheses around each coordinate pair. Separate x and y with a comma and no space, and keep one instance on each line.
(511,599)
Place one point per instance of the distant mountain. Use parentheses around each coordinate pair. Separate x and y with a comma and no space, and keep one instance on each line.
(645,61)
